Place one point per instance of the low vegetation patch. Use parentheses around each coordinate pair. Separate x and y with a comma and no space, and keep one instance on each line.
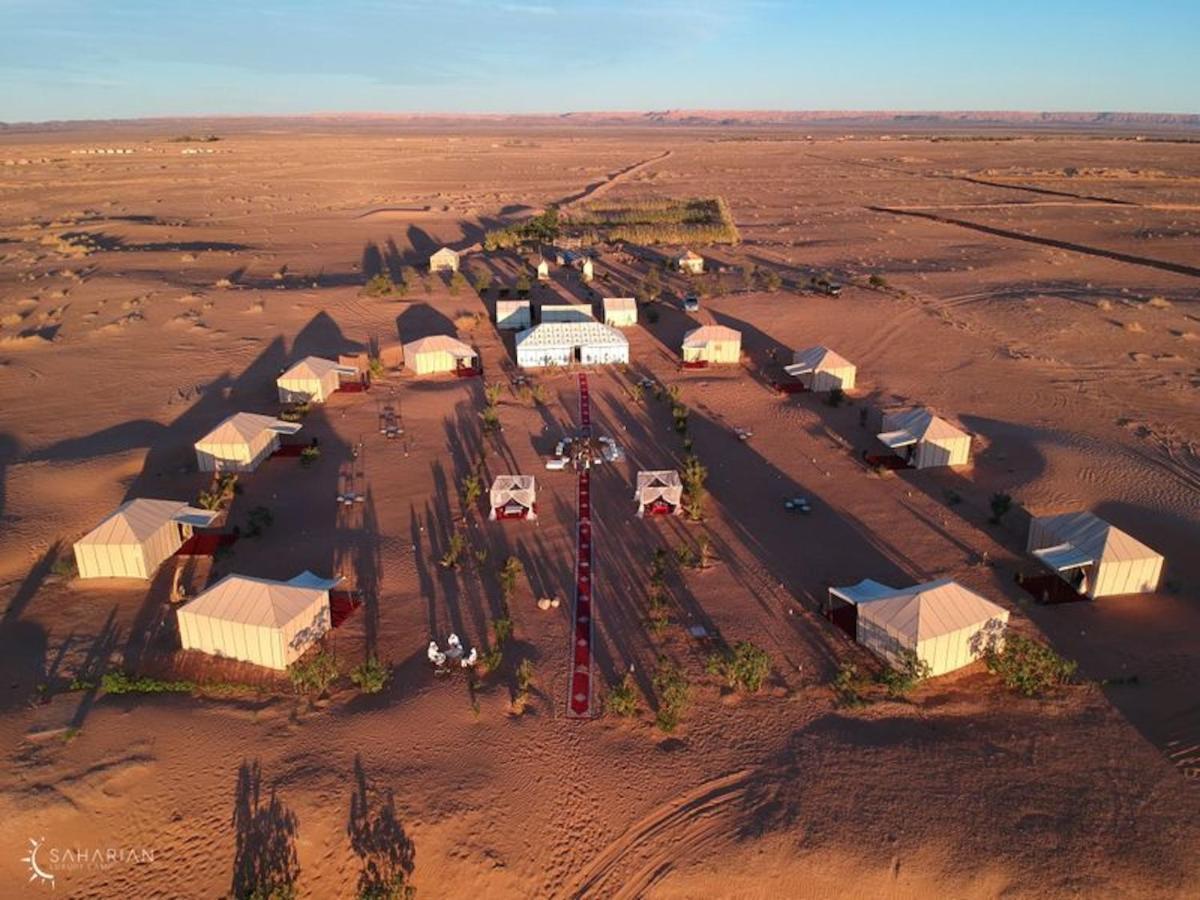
(743,667)
(674,694)
(123,683)
(371,676)
(541,229)
(850,686)
(1029,667)
(382,285)
(901,679)
(697,220)
(622,698)
(313,674)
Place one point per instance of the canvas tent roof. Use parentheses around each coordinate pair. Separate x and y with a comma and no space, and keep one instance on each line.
(254,601)
(316,367)
(707,334)
(307,579)
(137,520)
(521,488)
(439,343)
(1088,536)
(928,610)
(571,334)
(244,427)
(620,304)
(816,359)
(922,425)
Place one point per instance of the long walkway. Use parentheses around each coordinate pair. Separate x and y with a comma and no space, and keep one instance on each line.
(579,705)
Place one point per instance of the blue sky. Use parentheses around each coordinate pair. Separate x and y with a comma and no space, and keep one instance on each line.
(123,58)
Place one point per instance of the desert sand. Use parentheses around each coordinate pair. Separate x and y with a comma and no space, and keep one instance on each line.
(1044,291)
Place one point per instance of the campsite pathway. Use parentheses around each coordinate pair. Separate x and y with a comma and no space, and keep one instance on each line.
(579,704)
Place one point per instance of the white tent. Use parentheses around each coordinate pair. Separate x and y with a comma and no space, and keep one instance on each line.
(1098,559)
(820,369)
(565,312)
(925,440)
(438,353)
(659,491)
(513,497)
(690,263)
(256,620)
(513,315)
(443,260)
(587,269)
(135,540)
(312,379)
(563,343)
(712,344)
(543,270)
(620,312)
(241,442)
(945,624)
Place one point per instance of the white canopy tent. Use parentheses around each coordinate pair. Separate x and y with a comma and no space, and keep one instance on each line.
(690,262)
(565,312)
(620,312)
(312,380)
(137,538)
(925,440)
(659,491)
(438,353)
(712,344)
(241,442)
(443,260)
(513,315)
(513,497)
(564,343)
(1098,559)
(256,620)
(821,369)
(945,624)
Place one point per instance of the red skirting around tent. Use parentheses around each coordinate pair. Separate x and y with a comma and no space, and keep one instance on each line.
(354,387)
(885,460)
(696,364)
(1049,589)
(658,508)
(789,387)
(205,544)
(468,371)
(287,451)
(342,605)
(502,513)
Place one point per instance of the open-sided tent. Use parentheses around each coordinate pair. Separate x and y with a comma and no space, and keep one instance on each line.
(712,344)
(135,539)
(438,353)
(1094,557)
(659,493)
(513,315)
(564,343)
(925,440)
(256,620)
(690,263)
(443,260)
(565,312)
(945,624)
(241,442)
(312,380)
(513,497)
(620,312)
(820,369)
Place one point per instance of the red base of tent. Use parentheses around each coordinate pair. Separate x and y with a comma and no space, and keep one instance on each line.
(468,371)
(287,451)
(353,387)
(789,387)
(1049,589)
(342,605)
(502,513)
(885,461)
(658,509)
(698,364)
(205,544)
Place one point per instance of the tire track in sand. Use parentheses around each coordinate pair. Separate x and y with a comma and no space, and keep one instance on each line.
(647,850)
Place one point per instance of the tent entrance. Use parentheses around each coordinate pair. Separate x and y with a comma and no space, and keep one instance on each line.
(844,616)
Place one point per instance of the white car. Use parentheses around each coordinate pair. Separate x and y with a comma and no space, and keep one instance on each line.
(557,464)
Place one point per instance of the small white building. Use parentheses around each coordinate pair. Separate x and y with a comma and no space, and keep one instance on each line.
(543,270)
(710,344)
(659,492)
(312,380)
(1097,559)
(137,538)
(690,263)
(820,369)
(513,315)
(443,260)
(620,312)
(587,270)
(565,312)
(925,440)
(241,442)
(439,353)
(256,620)
(945,624)
(564,343)
(513,497)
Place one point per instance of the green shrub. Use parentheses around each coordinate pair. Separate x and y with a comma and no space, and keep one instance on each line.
(458,281)
(65,566)
(472,488)
(1027,666)
(849,685)
(371,676)
(453,552)
(380,285)
(123,683)
(313,674)
(621,699)
(491,419)
(900,680)
(502,629)
(375,366)
(744,667)
(510,572)
(309,455)
(685,555)
(877,281)
(693,477)
(673,691)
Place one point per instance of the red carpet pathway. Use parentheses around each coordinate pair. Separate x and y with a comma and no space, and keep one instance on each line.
(579,705)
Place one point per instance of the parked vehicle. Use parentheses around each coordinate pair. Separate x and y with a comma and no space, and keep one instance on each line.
(691,303)
(826,287)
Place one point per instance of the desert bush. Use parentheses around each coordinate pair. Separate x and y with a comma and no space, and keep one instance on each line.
(900,680)
(877,281)
(1000,505)
(64,566)
(259,520)
(483,280)
(454,551)
(120,682)
(744,667)
(380,285)
(674,692)
(1027,666)
(313,674)
(371,676)
(680,414)
(502,629)
(510,572)
(1134,328)
(849,685)
(770,280)
(224,487)
(472,489)
(458,281)
(523,284)
(375,367)
(685,555)
(492,392)
(490,419)
(651,287)
(693,477)
(309,455)
(621,699)
(636,392)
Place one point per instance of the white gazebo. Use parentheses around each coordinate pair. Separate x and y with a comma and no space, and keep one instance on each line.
(437,354)
(1094,557)
(659,493)
(925,440)
(513,497)
(137,538)
(241,442)
(821,369)
(312,380)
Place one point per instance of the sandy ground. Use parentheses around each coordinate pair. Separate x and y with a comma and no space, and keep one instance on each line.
(1018,301)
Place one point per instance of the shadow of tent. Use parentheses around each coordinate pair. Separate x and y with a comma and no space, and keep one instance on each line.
(421,320)
(24,643)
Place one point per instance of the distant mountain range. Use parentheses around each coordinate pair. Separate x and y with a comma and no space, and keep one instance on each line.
(874,120)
